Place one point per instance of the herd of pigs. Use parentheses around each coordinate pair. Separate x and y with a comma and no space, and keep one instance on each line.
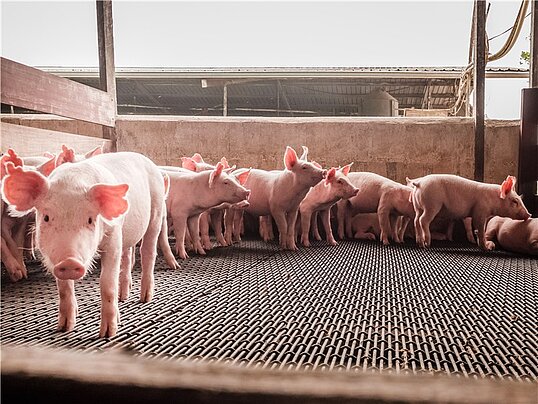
(71,208)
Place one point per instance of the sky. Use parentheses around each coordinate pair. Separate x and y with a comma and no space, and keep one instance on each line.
(266,34)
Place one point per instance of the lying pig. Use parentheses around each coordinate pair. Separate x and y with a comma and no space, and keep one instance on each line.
(321,198)
(108,204)
(377,194)
(520,236)
(454,197)
(278,193)
(365,226)
(193,193)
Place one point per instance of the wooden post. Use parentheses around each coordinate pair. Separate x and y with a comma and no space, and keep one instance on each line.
(479,86)
(533,68)
(528,149)
(105,39)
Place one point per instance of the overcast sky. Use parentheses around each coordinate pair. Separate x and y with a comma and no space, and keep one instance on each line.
(270,33)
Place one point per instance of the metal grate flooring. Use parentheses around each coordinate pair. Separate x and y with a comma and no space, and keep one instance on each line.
(359,306)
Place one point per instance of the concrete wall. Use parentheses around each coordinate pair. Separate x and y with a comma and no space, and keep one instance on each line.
(393,147)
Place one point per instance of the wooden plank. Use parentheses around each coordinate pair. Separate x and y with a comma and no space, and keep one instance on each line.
(479,87)
(105,39)
(26,87)
(28,141)
(72,376)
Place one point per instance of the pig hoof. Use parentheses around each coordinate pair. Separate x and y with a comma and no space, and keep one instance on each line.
(146,295)
(306,243)
(386,242)
(172,263)
(317,237)
(490,245)
(109,322)
(332,242)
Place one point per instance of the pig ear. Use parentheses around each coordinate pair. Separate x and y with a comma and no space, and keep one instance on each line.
(508,185)
(243,176)
(23,189)
(316,164)
(215,173)
(225,162)
(48,166)
(188,163)
(304,156)
(10,155)
(67,155)
(48,155)
(166,179)
(290,158)
(197,157)
(95,152)
(345,169)
(331,174)
(110,199)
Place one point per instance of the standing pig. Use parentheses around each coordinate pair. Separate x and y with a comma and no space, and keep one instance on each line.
(321,198)
(513,235)
(378,194)
(455,197)
(193,193)
(279,193)
(108,204)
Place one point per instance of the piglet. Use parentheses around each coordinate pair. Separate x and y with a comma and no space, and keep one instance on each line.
(192,193)
(520,236)
(321,198)
(108,204)
(454,197)
(278,193)
(388,198)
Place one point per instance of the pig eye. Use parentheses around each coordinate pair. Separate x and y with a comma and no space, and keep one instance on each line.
(340,182)
(226,183)
(90,220)
(46,218)
(304,167)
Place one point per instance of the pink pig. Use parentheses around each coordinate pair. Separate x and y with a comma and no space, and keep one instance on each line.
(377,194)
(193,193)
(513,235)
(279,193)
(321,198)
(454,197)
(108,204)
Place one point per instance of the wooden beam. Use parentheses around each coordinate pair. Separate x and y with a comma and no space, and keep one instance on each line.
(225,100)
(533,68)
(29,141)
(479,87)
(27,87)
(105,39)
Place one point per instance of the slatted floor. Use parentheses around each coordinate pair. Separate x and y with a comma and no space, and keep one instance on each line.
(358,306)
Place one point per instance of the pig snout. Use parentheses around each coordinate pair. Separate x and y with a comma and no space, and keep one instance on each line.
(69,268)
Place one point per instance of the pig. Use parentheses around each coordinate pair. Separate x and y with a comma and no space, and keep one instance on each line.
(519,236)
(454,197)
(108,204)
(365,226)
(278,193)
(193,193)
(388,198)
(321,198)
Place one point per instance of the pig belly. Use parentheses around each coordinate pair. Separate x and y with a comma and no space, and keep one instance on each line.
(514,235)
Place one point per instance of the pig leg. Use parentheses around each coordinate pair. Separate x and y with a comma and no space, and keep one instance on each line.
(315,227)
(19,238)
(14,271)
(491,235)
(216,222)
(265,225)
(164,245)
(238,222)
(282,224)
(228,225)
(326,220)
(383,215)
(340,217)
(419,236)
(269,227)
(180,227)
(67,317)
(291,220)
(148,254)
(404,222)
(468,224)
(360,234)
(305,227)
(126,280)
(194,228)
(480,223)
(110,270)
(204,230)
(425,220)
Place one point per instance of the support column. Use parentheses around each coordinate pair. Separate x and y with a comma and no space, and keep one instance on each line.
(479,86)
